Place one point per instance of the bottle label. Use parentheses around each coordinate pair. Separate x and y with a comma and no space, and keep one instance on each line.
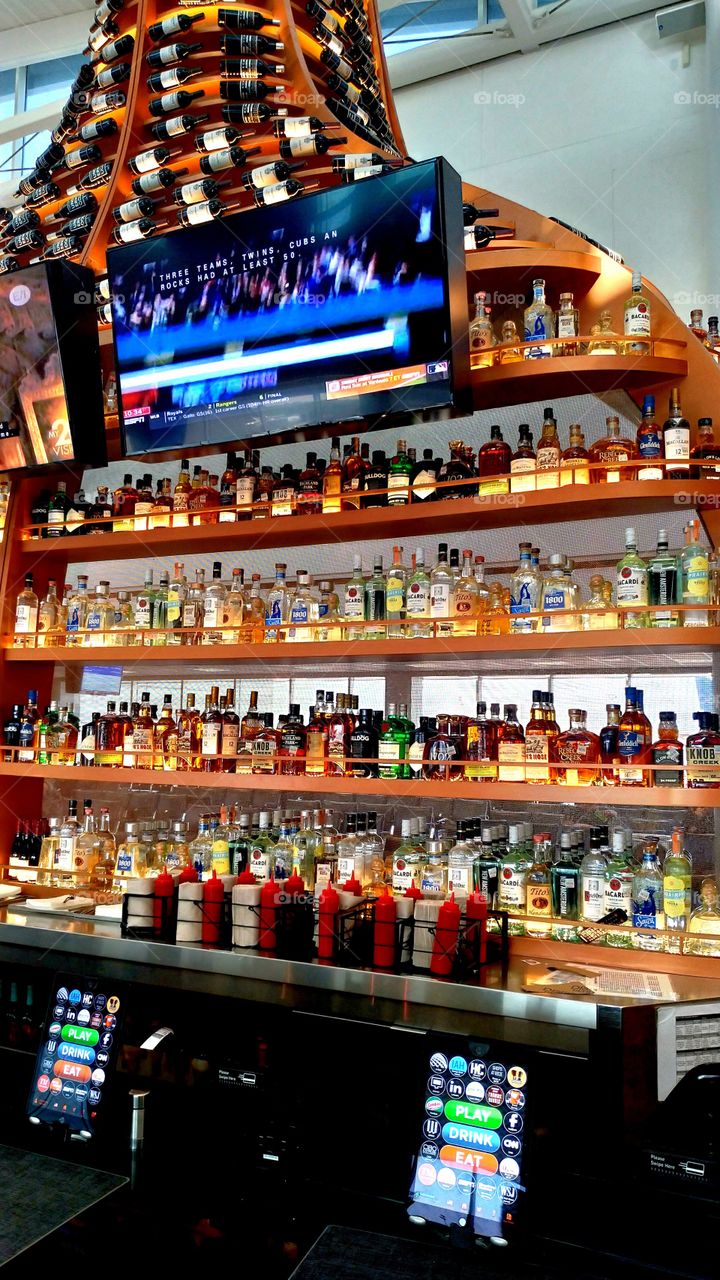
(259,863)
(142,744)
(395,596)
(618,895)
(316,750)
(637,320)
(124,864)
(631,742)
(220,857)
(676,897)
(538,900)
(145,162)
(143,611)
(282,501)
(245,491)
(399,485)
(593,897)
(214,139)
(537,756)
(548,459)
(189,615)
(346,868)
(276,193)
(439,599)
(632,585)
(566,895)
(677,443)
(459,880)
(424,486)
(210,739)
(696,577)
(211,611)
(553,598)
(669,754)
(650,444)
(197,213)
(707,755)
(511,761)
(512,888)
(262,748)
(465,601)
(229,739)
(65,855)
(402,875)
(354,601)
(417,604)
(26,618)
(389,751)
(566,326)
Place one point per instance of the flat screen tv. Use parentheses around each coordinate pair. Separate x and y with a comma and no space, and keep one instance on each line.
(281,322)
(51,404)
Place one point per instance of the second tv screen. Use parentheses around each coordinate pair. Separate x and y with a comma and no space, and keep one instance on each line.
(326,309)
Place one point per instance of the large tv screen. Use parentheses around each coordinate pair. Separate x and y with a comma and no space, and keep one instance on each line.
(348,304)
(51,407)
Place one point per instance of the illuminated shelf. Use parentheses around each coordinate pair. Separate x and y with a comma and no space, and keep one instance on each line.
(553,377)
(390,788)
(549,506)
(426,653)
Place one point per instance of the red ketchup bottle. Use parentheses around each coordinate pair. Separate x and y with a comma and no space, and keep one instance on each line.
(294,886)
(188,875)
(327,926)
(213,903)
(447,931)
(267,939)
(476,908)
(163,891)
(384,932)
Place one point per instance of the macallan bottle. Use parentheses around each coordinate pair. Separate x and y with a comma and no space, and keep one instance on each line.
(211,733)
(230,733)
(676,440)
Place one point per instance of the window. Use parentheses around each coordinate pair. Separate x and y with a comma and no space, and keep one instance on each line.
(45,82)
(7,109)
(415,23)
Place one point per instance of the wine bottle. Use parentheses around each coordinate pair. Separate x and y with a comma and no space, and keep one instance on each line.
(175,126)
(315,144)
(204,211)
(146,161)
(28,184)
(348,92)
(172,78)
(247,90)
(104,313)
(216,139)
(176,52)
(66,125)
(348,9)
(249,68)
(50,157)
(106,10)
(79,226)
(244,20)
(195,192)
(109,101)
(81,155)
(67,247)
(299,126)
(249,46)
(250,112)
(173,26)
(112,75)
(32,239)
(25,220)
(151,182)
(114,49)
(96,177)
(127,232)
(96,129)
(278,192)
(355,160)
(43,195)
(329,39)
(363,171)
(132,210)
(86,202)
(228,158)
(7,265)
(99,36)
(267,175)
(176,101)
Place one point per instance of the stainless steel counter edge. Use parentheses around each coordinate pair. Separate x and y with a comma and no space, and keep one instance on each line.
(96,938)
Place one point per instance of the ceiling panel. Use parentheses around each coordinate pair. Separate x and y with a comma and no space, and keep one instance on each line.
(25,13)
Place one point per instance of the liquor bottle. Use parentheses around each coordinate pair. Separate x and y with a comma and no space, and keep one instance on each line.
(539,324)
(172,78)
(511,747)
(399,475)
(557,597)
(512,881)
(375,602)
(265,746)
(58,508)
(662,573)
(525,589)
(276,606)
(482,336)
(100,619)
(631,749)
(637,318)
(392,745)
(165,749)
(87,849)
(211,721)
(703,752)
(611,449)
(618,878)
(423,479)
(609,755)
(676,440)
(417,599)
(565,882)
(647,891)
(363,747)
(538,896)
(667,753)
(11,732)
(567,326)
(481,747)
(677,884)
(406,860)
(65,853)
(467,600)
(309,488)
(316,743)
(376,477)
(282,500)
(188,734)
(713,339)
(632,584)
(577,752)
(250,726)
(540,733)
(332,481)
(292,743)
(143,735)
(695,570)
(706,452)
(302,610)
(705,920)
(443,751)
(522,462)
(109,738)
(593,872)
(353,475)
(442,593)
(649,443)
(395,595)
(454,475)
(26,615)
(695,326)
(547,462)
(493,464)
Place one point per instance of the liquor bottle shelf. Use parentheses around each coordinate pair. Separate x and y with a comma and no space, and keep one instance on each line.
(421,652)
(548,506)
(553,377)
(390,788)
(515,264)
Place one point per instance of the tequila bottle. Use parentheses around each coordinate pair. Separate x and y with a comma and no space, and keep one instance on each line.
(276,606)
(482,338)
(77,612)
(705,920)
(303,610)
(637,318)
(577,752)
(594,614)
(632,584)
(87,850)
(604,341)
(510,350)
(329,619)
(467,599)
(100,619)
(524,593)
(49,631)
(557,597)
(539,324)
(662,575)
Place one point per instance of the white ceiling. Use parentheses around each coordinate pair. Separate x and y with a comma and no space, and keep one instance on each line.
(25,13)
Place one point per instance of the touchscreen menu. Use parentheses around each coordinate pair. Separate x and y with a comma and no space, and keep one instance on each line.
(468,1169)
(77,1053)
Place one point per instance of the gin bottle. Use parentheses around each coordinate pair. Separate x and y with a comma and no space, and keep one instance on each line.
(662,572)
(593,870)
(565,881)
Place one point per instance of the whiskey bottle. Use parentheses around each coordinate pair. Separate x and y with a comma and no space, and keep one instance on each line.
(667,753)
(703,752)
(166,738)
(676,440)
(649,443)
(611,449)
(211,721)
(632,750)
(511,747)
(577,752)
(706,453)
(540,733)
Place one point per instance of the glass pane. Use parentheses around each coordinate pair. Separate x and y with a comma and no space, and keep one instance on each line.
(8,163)
(47,81)
(517,689)
(681,694)
(433,696)
(591,693)
(370,691)
(413,24)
